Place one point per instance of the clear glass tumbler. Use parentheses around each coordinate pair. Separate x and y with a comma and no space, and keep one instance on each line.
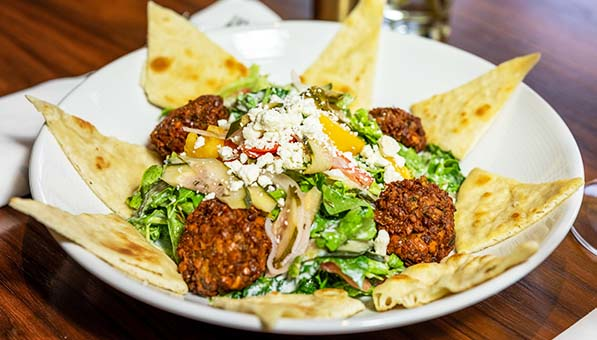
(429,18)
(585,227)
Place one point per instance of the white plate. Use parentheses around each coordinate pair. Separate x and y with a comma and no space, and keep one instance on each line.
(527,141)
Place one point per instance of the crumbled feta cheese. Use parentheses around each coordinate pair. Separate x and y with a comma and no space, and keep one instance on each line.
(235,185)
(281,201)
(380,244)
(209,196)
(243,158)
(372,157)
(389,147)
(199,142)
(249,173)
(264,181)
(292,155)
(234,165)
(275,167)
(226,152)
(391,175)
(265,159)
(250,133)
(223,123)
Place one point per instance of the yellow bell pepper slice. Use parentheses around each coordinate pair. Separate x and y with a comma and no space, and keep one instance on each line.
(342,138)
(209,149)
(402,170)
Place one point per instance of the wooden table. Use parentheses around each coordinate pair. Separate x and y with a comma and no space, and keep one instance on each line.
(45,294)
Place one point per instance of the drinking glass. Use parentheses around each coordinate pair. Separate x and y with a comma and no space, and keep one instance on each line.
(585,228)
(429,18)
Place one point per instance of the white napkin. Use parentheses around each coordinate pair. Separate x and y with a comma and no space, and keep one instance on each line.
(20,123)
(583,329)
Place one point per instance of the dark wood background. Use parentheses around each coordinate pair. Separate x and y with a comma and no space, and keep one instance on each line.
(45,294)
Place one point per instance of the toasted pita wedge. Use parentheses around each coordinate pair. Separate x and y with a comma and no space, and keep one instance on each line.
(455,120)
(113,240)
(426,282)
(492,208)
(183,63)
(349,60)
(329,303)
(111,168)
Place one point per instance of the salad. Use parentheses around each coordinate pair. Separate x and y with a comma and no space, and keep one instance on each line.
(287,188)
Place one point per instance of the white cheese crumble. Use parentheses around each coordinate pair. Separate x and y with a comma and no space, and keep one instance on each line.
(223,123)
(209,196)
(264,181)
(235,185)
(380,244)
(389,147)
(373,158)
(249,173)
(199,142)
(279,133)
(226,153)
(391,175)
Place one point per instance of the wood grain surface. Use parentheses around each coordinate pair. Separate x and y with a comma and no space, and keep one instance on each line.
(45,294)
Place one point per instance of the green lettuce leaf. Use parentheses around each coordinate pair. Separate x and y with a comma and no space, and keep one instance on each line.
(337,198)
(364,125)
(161,210)
(439,166)
(306,276)
(251,83)
(331,233)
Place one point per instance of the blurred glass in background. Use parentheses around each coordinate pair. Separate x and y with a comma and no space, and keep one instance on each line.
(428,18)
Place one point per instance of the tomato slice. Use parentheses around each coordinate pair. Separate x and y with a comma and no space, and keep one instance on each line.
(351,170)
(256,152)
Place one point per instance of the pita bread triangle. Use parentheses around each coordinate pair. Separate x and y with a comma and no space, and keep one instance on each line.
(426,282)
(111,168)
(182,62)
(113,240)
(455,120)
(327,303)
(349,60)
(491,208)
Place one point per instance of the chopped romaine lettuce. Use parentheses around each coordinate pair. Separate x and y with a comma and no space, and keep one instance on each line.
(357,224)
(161,210)
(246,101)
(251,83)
(338,198)
(307,276)
(364,125)
(165,112)
(439,166)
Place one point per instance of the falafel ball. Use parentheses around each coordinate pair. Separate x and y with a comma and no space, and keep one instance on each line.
(419,217)
(222,249)
(168,136)
(403,126)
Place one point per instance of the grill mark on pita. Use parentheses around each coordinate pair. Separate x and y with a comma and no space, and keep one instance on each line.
(160,64)
(84,124)
(482,110)
(101,163)
(232,65)
(483,179)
